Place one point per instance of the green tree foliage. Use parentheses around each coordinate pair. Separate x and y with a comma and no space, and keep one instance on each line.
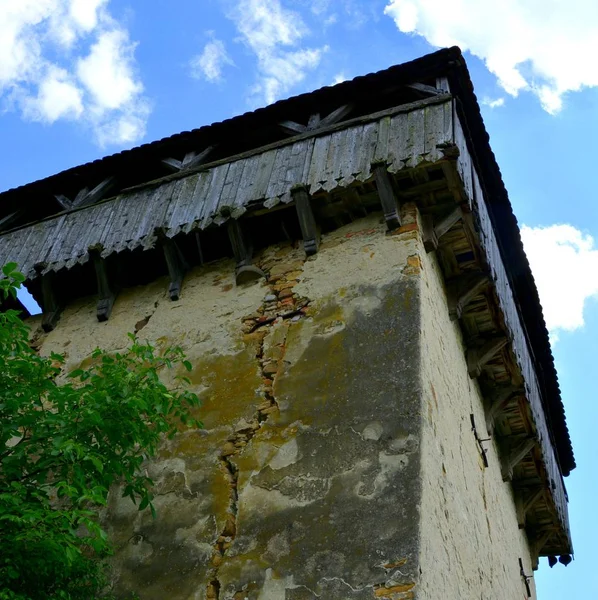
(63,445)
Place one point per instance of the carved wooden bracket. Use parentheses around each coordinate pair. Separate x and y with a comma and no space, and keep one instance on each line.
(175,261)
(191,159)
(498,401)
(245,271)
(51,304)
(524,500)
(106,288)
(388,198)
(515,456)
(86,196)
(307,221)
(432,233)
(462,290)
(315,122)
(478,356)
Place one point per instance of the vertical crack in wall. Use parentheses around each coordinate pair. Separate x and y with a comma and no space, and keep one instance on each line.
(280,304)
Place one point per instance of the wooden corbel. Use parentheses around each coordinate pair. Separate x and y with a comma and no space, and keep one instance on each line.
(175,261)
(478,356)
(388,198)
(462,290)
(190,160)
(245,271)
(106,288)
(51,304)
(307,221)
(516,454)
(432,233)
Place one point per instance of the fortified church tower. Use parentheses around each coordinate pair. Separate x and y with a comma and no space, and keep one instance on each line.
(345,273)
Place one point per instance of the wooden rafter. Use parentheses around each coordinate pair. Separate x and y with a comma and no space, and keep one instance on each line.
(316,122)
(86,196)
(190,160)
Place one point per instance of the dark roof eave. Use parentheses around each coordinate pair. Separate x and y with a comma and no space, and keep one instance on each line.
(446,62)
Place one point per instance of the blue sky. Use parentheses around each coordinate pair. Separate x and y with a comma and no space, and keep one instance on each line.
(83,78)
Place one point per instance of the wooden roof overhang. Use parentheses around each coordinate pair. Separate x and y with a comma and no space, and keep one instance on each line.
(433,151)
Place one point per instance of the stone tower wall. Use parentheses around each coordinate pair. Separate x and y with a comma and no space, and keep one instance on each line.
(337,459)
(470,539)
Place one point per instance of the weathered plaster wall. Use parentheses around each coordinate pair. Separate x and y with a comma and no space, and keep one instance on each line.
(470,540)
(305,482)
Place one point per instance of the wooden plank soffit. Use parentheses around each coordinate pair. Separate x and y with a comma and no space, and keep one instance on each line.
(307,221)
(388,198)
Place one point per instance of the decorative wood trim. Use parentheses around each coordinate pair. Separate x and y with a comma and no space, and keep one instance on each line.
(515,456)
(51,305)
(462,290)
(388,198)
(307,221)
(245,272)
(106,289)
(478,356)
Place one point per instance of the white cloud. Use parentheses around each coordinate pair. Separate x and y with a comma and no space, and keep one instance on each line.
(548,48)
(70,59)
(493,103)
(273,33)
(58,97)
(339,78)
(564,263)
(209,64)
